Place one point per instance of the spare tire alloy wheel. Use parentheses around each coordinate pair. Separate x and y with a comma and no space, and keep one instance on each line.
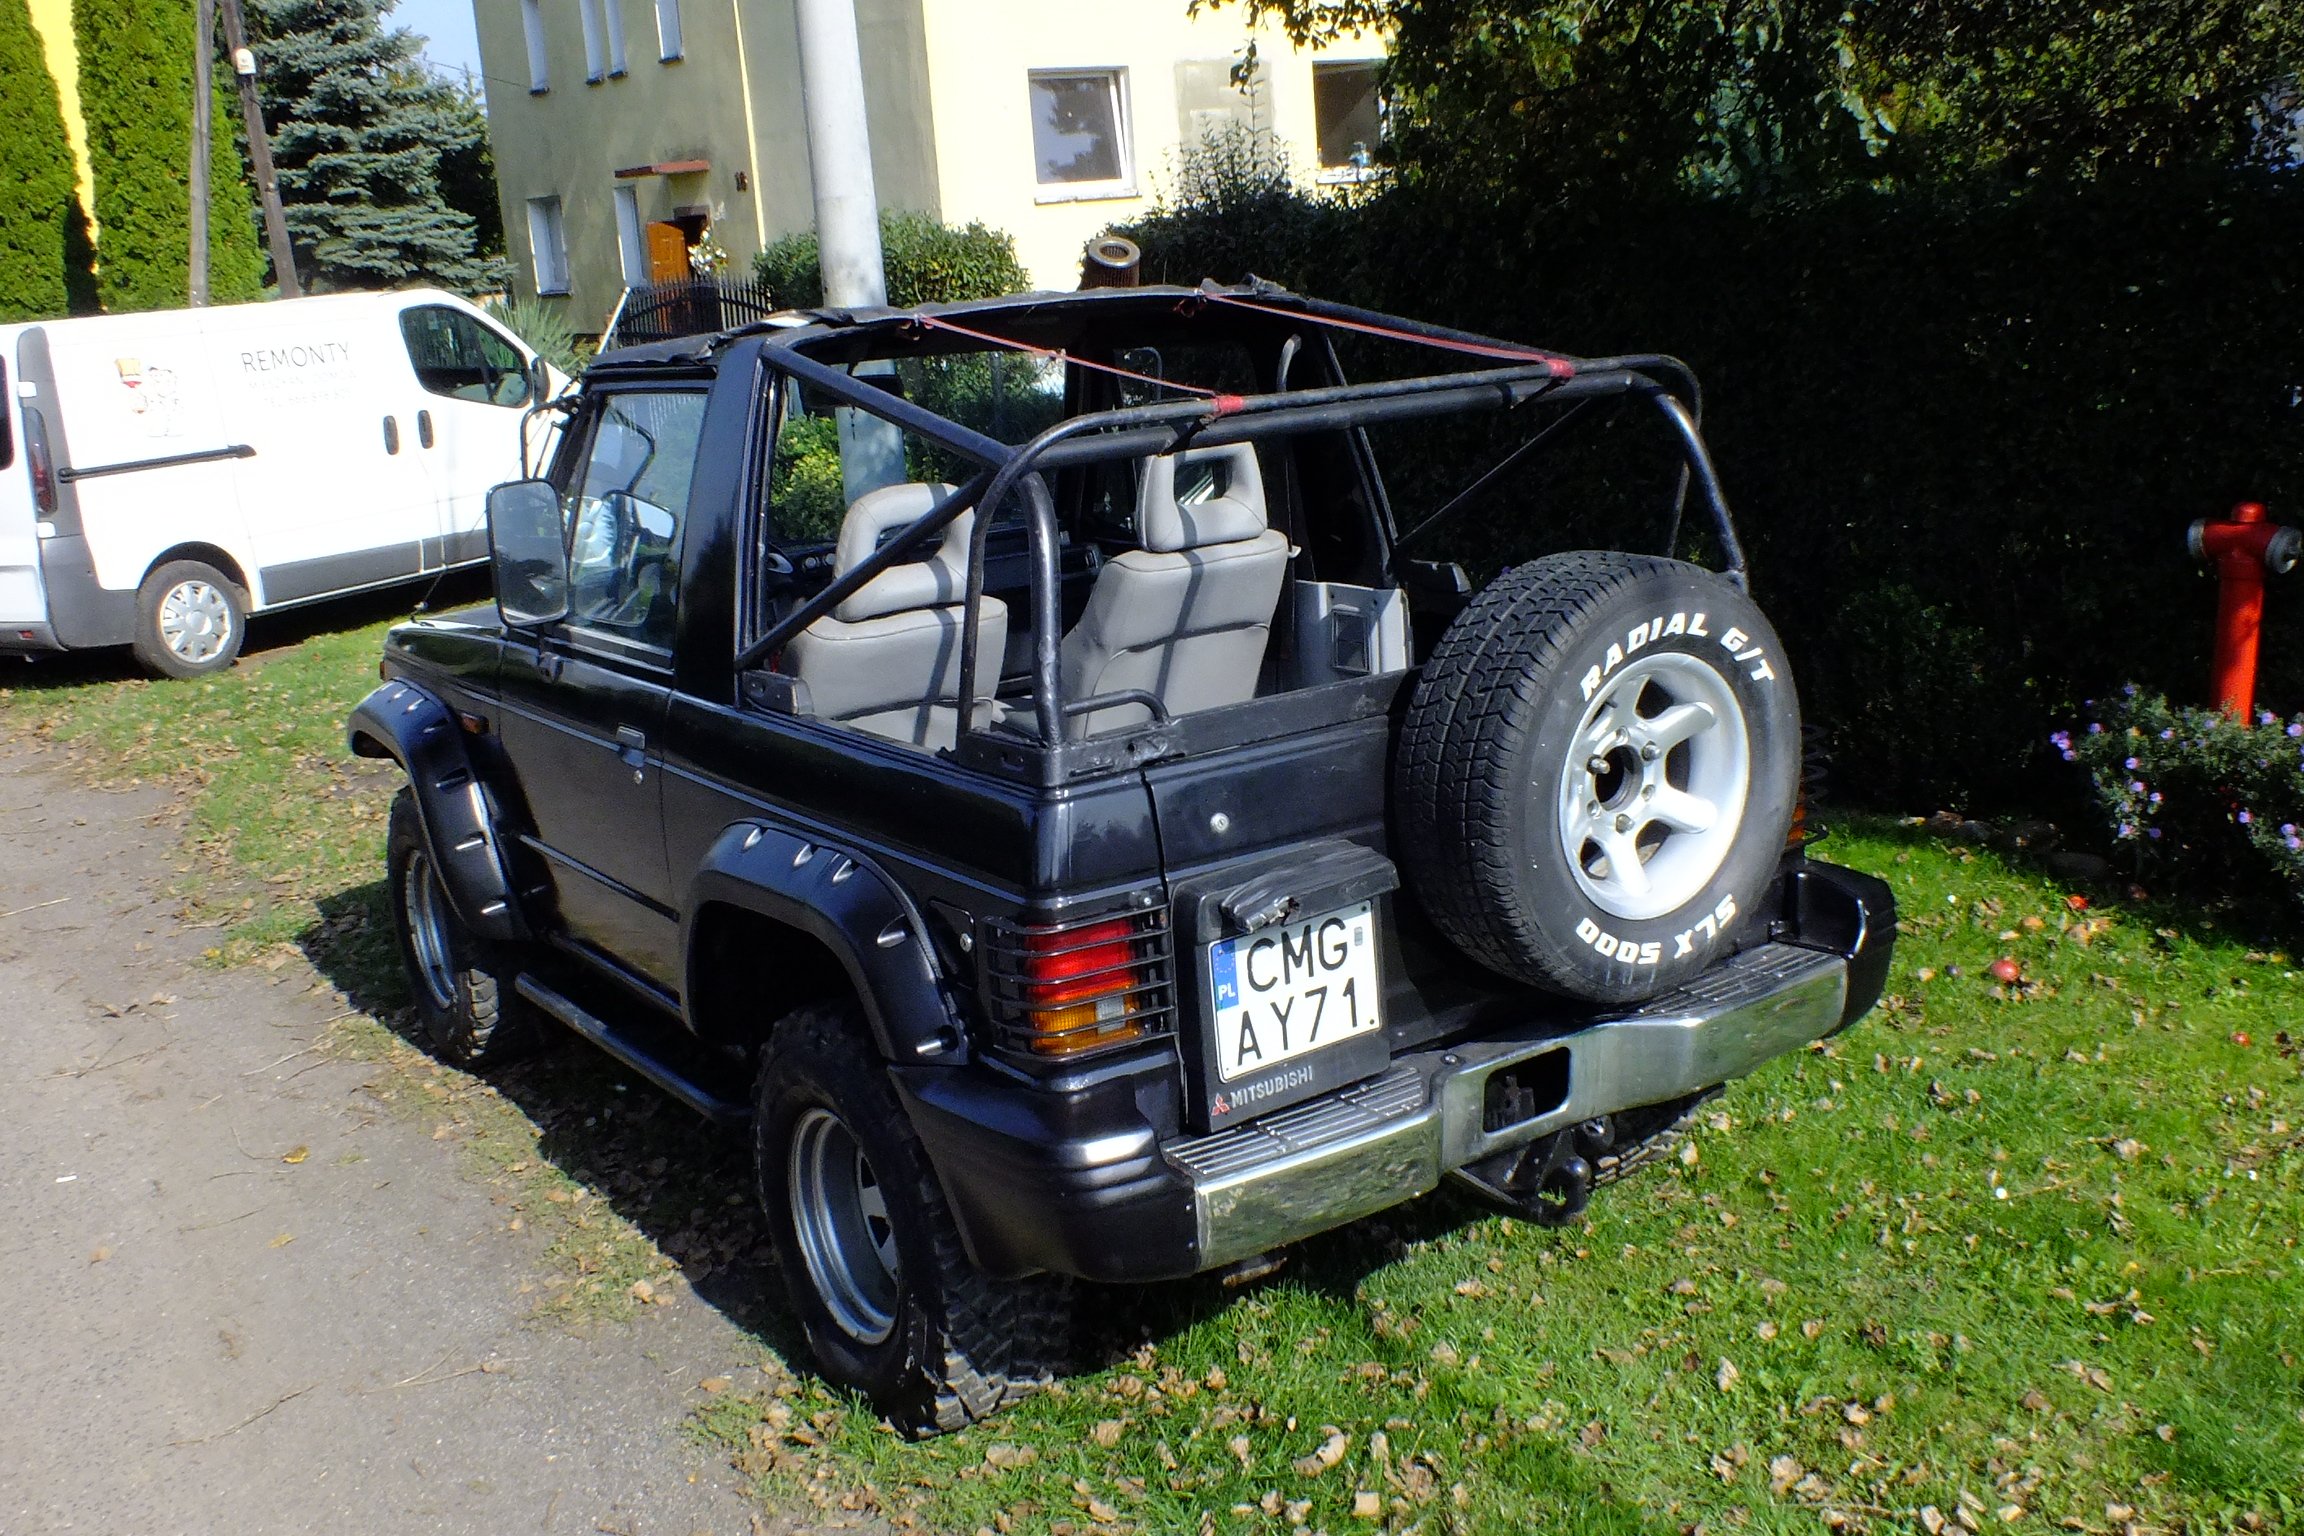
(840,1216)
(1597,773)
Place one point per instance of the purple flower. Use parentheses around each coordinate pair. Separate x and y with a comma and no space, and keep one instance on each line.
(2295,842)
(2169,734)
(2296,727)
(2133,765)
(2135,786)
(2095,728)
(2245,818)
(2127,830)
(2061,740)
(2071,756)
(2153,832)
(2266,717)
(2155,797)
(2127,690)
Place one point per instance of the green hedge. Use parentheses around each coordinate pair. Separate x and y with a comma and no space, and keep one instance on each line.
(1962,435)
(41,226)
(136,99)
(927,263)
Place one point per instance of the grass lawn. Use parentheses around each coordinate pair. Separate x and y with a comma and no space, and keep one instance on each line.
(2014,1256)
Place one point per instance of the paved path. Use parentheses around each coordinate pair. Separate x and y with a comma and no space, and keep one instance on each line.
(199,1336)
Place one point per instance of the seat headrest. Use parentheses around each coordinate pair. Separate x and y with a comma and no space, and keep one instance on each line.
(1234,513)
(937,578)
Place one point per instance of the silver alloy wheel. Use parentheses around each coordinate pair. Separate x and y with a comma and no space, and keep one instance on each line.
(426,906)
(841,1217)
(1652,792)
(195,620)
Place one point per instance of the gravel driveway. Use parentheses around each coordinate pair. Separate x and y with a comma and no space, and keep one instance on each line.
(241,1297)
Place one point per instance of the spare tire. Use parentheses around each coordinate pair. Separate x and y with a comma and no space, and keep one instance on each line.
(1597,773)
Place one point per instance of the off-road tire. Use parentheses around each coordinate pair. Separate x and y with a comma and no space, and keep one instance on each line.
(1485,766)
(150,645)
(482,1021)
(964,1344)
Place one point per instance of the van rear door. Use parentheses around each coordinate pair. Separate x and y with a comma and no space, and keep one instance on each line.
(21,603)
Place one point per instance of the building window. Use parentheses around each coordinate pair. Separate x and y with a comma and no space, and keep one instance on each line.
(1348,105)
(1080,133)
(668,44)
(631,239)
(548,244)
(532,27)
(612,12)
(595,41)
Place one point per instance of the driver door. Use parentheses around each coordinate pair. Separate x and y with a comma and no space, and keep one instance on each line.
(584,708)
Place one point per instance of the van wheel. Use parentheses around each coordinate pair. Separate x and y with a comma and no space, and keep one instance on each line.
(190,618)
(890,1303)
(463,984)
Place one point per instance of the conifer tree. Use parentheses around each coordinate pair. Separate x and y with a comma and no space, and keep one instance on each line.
(36,168)
(359,130)
(136,100)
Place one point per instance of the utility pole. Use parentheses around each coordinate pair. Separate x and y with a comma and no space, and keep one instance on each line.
(260,152)
(847,214)
(203,102)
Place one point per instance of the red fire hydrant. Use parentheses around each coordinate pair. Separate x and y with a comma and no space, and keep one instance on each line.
(2242,548)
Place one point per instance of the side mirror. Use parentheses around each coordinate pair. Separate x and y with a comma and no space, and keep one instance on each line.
(527,548)
(539,381)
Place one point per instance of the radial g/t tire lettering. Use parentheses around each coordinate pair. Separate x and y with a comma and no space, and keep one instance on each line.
(1597,773)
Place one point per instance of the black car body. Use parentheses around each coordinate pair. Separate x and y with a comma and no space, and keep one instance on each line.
(677,851)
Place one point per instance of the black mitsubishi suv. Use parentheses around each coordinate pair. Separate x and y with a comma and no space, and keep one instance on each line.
(1008,759)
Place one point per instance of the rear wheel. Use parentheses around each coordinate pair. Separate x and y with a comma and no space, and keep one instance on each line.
(465,1000)
(871,1256)
(190,620)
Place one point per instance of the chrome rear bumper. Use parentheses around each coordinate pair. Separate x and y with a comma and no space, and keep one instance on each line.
(1358,1151)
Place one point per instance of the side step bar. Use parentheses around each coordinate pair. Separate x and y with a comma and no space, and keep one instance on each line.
(662,1073)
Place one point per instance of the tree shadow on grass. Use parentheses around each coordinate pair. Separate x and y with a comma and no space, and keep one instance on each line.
(688,1185)
(679,1180)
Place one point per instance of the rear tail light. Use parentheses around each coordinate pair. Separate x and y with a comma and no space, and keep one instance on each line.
(39,461)
(1062,989)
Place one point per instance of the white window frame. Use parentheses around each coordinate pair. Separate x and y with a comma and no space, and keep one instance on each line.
(612,15)
(532,30)
(548,244)
(670,47)
(1123,127)
(595,45)
(1346,174)
(631,235)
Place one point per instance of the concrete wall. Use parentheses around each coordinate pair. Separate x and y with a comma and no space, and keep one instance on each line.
(979,57)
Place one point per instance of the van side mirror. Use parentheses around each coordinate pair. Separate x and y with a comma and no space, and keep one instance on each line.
(539,381)
(528,550)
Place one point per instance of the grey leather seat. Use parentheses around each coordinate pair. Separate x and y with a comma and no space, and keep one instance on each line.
(887,660)
(1186,617)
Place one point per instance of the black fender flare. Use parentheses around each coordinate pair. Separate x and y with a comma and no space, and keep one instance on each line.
(844,901)
(405,723)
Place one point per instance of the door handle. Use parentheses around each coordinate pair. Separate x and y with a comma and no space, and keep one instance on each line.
(391,434)
(632,748)
(424,429)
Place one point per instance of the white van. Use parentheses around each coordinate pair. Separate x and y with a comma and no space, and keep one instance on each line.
(164,475)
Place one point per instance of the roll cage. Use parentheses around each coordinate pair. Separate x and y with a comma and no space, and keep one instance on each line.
(819,349)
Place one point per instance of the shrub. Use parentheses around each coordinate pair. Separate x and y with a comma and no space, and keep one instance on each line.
(39,213)
(2214,807)
(1960,417)
(927,262)
(136,99)
(810,499)
(543,326)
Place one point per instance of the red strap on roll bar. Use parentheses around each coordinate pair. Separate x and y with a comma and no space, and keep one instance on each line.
(1559,367)
(1062,356)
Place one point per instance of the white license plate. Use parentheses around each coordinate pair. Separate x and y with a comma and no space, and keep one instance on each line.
(1290,989)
